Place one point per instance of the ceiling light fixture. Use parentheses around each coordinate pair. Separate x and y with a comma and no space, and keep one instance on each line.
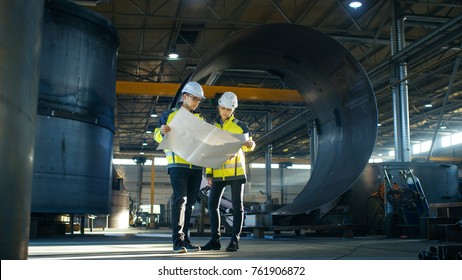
(150,129)
(355,4)
(173,53)
(153,113)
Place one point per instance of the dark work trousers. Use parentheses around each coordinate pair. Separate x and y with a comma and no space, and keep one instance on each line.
(185,183)
(237,194)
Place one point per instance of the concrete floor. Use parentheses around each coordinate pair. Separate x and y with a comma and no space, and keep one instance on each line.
(155,244)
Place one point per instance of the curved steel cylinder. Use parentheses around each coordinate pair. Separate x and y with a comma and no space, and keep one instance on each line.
(19,61)
(335,88)
(73,152)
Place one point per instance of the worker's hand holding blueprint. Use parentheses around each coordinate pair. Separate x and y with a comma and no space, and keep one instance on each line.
(199,142)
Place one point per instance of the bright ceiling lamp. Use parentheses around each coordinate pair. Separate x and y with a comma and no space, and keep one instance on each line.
(153,113)
(173,54)
(355,4)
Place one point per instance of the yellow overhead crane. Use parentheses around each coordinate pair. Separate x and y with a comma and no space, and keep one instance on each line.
(243,93)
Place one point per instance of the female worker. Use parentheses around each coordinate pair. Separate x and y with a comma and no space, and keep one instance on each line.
(230,173)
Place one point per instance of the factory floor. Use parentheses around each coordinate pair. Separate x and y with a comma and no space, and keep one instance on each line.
(155,244)
(141,252)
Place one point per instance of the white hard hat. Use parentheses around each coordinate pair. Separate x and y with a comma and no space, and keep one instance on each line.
(228,100)
(194,88)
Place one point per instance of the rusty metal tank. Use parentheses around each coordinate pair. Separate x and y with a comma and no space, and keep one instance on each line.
(75,115)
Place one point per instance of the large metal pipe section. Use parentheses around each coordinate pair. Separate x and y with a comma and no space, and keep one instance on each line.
(75,121)
(335,88)
(20,35)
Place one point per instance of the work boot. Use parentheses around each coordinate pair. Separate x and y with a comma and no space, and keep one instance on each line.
(191,247)
(233,246)
(179,246)
(211,245)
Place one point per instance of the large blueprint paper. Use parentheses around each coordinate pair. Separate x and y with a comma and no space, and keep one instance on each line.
(199,142)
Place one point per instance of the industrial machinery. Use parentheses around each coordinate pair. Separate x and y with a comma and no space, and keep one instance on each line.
(365,209)
(406,205)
